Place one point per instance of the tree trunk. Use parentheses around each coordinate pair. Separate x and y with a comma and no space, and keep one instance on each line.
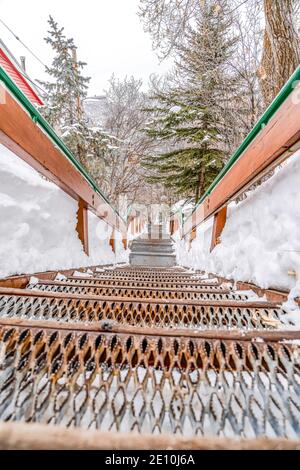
(281,50)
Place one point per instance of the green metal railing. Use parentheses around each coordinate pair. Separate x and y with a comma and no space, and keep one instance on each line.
(41,121)
(265,118)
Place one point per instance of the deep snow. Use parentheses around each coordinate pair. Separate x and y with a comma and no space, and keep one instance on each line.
(38,224)
(260,242)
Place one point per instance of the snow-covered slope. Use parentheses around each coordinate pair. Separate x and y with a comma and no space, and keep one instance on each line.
(38,224)
(260,242)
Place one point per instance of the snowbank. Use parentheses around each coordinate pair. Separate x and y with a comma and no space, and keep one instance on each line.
(260,242)
(38,224)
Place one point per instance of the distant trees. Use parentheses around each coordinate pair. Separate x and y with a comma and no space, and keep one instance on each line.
(194,116)
(123,117)
(167,21)
(68,86)
(65,94)
(248,29)
(231,59)
(109,143)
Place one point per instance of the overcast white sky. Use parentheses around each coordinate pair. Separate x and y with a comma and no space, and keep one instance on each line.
(108,33)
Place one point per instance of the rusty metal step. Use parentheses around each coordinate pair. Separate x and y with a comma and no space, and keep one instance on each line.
(149,384)
(148,276)
(170,313)
(146,350)
(152,269)
(148,271)
(155,269)
(145,283)
(203,293)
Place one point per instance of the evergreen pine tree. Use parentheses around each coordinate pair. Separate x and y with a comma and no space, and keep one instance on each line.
(192,119)
(69,86)
(65,95)
(190,158)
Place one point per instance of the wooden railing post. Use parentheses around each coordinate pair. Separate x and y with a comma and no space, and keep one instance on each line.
(219,222)
(192,236)
(132,226)
(112,241)
(82,225)
(125,241)
(171,223)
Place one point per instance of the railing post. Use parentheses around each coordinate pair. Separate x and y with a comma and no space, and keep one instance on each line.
(219,222)
(192,236)
(125,241)
(130,226)
(82,225)
(112,241)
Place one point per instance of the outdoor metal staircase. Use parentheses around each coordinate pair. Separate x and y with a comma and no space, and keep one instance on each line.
(153,248)
(151,350)
(148,347)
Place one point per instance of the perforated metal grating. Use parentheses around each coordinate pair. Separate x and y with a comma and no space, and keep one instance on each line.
(125,353)
(203,314)
(149,384)
(121,282)
(203,293)
(154,277)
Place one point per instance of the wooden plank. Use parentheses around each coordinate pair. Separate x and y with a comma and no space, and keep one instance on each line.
(272,295)
(36,436)
(281,133)
(219,223)
(82,225)
(23,137)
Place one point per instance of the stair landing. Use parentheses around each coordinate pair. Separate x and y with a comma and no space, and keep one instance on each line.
(154,248)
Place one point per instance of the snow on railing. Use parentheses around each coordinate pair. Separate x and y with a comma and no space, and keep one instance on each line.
(24,131)
(273,139)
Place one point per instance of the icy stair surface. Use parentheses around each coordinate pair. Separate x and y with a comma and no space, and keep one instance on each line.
(150,350)
(154,248)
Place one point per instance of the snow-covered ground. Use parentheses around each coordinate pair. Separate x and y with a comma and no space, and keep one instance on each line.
(38,224)
(260,242)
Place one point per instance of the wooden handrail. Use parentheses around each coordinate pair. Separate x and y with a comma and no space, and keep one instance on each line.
(37,436)
(25,132)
